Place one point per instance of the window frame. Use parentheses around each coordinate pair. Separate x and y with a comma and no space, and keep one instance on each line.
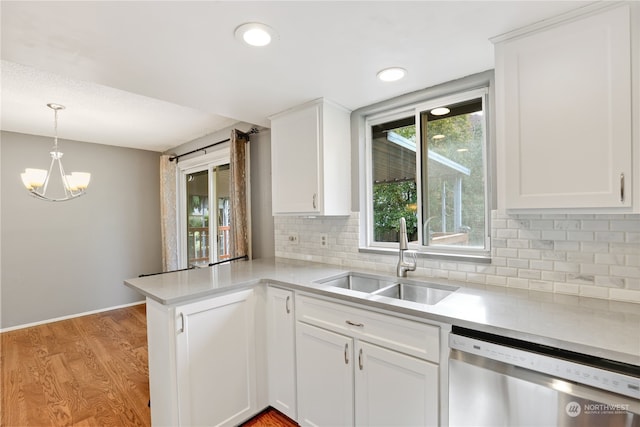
(415,105)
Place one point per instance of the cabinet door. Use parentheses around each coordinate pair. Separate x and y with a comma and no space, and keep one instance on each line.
(566,114)
(325,377)
(215,360)
(393,389)
(295,156)
(281,351)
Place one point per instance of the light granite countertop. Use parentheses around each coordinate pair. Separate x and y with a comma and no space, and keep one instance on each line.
(601,328)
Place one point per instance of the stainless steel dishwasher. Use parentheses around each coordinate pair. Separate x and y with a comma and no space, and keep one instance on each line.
(498,381)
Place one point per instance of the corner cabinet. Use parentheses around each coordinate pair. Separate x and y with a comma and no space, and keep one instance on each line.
(311,160)
(357,367)
(202,367)
(564,94)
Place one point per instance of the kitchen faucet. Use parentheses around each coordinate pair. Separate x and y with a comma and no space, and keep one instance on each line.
(404,266)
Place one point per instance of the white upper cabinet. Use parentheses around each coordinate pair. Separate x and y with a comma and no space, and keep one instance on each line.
(564,95)
(311,160)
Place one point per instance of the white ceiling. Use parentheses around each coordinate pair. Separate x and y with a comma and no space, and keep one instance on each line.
(156,74)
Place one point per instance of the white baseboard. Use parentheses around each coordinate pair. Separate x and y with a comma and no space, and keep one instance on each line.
(71,316)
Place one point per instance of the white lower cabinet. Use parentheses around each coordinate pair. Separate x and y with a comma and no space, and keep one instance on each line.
(281,360)
(327,364)
(393,389)
(325,377)
(202,365)
(353,370)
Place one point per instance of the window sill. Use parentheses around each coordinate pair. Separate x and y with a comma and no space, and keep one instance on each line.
(480,258)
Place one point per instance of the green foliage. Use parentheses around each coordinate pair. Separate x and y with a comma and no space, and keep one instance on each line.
(391,201)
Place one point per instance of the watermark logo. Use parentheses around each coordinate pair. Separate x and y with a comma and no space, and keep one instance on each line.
(573,409)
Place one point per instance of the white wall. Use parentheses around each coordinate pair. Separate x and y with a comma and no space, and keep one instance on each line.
(62,259)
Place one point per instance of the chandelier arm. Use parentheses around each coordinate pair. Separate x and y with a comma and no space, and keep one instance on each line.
(65,182)
(48,199)
(46,180)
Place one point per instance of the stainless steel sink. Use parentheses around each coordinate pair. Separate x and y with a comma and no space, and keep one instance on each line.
(358,282)
(423,294)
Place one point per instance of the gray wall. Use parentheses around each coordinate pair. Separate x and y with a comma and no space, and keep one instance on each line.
(262,229)
(61,259)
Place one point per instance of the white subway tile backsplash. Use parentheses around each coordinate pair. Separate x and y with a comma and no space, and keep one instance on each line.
(595,225)
(610,236)
(554,234)
(589,255)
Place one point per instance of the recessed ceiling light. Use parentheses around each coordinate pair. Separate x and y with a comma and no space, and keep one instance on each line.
(440,111)
(255,34)
(392,74)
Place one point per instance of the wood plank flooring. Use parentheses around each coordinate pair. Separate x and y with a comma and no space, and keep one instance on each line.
(87,371)
(270,418)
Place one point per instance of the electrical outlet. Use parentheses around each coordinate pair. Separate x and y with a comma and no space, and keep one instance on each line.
(324,239)
(293,238)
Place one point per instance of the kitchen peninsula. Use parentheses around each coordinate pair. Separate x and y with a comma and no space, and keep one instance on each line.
(232,309)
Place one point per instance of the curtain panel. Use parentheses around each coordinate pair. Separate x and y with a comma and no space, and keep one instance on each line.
(239,195)
(168,214)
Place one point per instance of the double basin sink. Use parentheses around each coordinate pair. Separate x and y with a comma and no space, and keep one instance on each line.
(396,288)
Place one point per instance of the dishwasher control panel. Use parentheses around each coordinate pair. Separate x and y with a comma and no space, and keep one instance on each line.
(615,382)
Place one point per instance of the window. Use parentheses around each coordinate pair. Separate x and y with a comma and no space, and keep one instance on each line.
(428,165)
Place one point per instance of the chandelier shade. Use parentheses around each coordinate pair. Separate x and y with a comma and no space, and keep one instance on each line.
(36,181)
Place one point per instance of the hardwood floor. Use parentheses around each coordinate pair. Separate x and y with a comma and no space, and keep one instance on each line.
(90,370)
(86,371)
(270,418)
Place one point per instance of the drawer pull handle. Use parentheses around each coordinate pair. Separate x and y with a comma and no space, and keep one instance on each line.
(621,188)
(182,323)
(346,354)
(359,325)
(360,359)
(286,304)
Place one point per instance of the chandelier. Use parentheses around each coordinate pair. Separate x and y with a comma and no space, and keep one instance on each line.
(37,180)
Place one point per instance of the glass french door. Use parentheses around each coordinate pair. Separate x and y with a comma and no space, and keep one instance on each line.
(208,215)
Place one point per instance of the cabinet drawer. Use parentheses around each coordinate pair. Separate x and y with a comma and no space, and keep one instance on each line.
(409,337)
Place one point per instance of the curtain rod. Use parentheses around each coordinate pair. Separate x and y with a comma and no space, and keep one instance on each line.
(177,157)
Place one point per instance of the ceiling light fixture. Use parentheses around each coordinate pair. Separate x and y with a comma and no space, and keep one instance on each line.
(255,34)
(439,136)
(37,180)
(392,74)
(440,111)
